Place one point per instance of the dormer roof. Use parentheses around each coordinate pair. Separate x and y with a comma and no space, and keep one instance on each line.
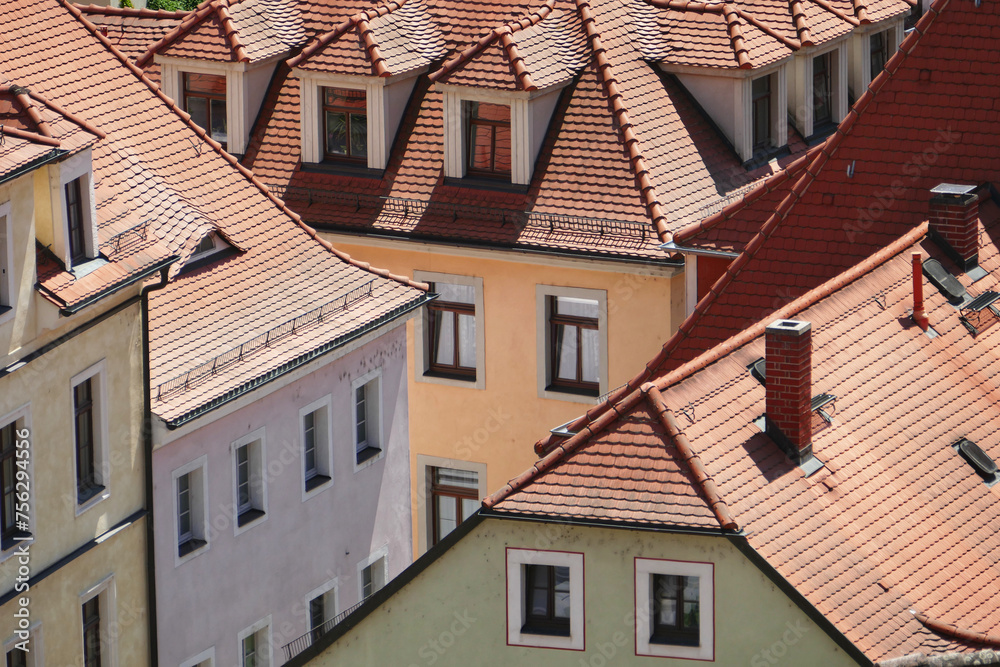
(545,48)
(32,127)
(242,31)
(390,39)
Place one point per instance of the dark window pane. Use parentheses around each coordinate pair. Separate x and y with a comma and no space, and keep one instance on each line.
(336,133)
(198,108)
(359,135)
(822,90)
(218,121)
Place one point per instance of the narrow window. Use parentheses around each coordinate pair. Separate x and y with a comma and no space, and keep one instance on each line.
(879,52)
(309,445)
(488,140)
(761,101)
(373,578)
(244,502)
(92,632)
(317,616)
(249,483)
(250,651)
(86,465)
(455,497)
(17,658)
(205,100)
(574,344)
(366,421)
(916,11)
(8,456)
(822,91)
(675,610)
(184,524)
(74,217)
(546,599)
(453,331)
(6,289)
(345,124)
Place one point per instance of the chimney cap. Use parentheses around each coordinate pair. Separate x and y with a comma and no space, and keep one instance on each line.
(952,190)
(788,327)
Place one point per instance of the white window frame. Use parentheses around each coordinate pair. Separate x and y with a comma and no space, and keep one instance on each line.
(74,167)
(23,414)
(102,457)
(237,97)
(324,445)
(744,106)
(35,655)
(8,285)
(527,131)
(517,559)
(105,591)
(370,424)
(199,505)
(800,103)
(425,500)
(207,655)
(861,75)
(256,440)
(542,351)
(381,554)
(261,628)
(331,592)
(423,333)
(644,569)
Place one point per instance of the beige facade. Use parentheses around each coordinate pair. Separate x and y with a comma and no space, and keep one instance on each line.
(487,426)
(453,612)
(78,551)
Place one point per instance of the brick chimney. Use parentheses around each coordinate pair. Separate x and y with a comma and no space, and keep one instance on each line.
(954,219)
(788,403)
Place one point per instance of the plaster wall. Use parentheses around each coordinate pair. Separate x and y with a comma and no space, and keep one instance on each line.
(454,612)
(497,425)
(717,95)
(303,542)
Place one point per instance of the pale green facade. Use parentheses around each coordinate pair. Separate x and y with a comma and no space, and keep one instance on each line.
(454,612)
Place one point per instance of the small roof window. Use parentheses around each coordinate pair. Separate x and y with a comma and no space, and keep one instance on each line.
(980,461)
(757,369)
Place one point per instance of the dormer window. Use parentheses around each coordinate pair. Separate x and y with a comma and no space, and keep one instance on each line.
(75,220)
(205,100)
(488,143)
(822,91)
(878,47)
(345,124)
(818,91)
(74,231)
(761,104)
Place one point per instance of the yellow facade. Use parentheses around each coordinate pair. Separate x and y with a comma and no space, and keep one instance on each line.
(454,611)
(95,549)
(491,429)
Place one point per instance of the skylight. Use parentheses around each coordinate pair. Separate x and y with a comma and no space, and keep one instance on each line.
(980,461)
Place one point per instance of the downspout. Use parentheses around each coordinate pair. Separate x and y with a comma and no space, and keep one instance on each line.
(147,435)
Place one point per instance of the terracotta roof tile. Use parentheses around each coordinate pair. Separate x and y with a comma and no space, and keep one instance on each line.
(133,30)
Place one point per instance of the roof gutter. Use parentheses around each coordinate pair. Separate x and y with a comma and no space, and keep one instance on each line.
(147,441)
(301,360)
(670,246)
(72,309)
(609,523)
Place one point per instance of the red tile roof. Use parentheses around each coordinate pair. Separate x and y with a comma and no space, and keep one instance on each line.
(895,521)
(232,31)
(161,184)
(923,121)
(133,30)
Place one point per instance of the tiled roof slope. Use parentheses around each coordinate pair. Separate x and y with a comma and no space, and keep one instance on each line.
(924,120)
(628,157)
(896,522)
(232,31)
(158,173)
(390,39)
(133,30)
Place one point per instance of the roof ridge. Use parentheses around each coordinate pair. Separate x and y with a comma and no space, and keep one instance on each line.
(217,147)
(516,60)
(620,112)
(345,26)
(491,37)
(136,12)
(230,31)
(705,482)
(836,12)
(720,8)
(799,21)
(29,136)
(59,109)
(194,18)
(20,95)
(953,631)
(740,50)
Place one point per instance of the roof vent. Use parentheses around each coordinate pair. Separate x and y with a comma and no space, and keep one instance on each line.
(978,459)
(758,369)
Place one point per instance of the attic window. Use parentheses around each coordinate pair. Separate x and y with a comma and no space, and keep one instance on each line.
(980,461)
(946,283)
(488,143)
(757,369)
(345,124)
(208,245)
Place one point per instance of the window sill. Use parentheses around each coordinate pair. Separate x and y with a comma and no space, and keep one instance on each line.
(481,183)
(367,455)
(189,547)
(91,498)
(355,169)
(16,538)
(547,631)
(316,481)
(87,266)
(452,375)
(249,516)
(575,391)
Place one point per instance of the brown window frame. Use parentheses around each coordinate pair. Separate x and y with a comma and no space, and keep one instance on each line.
(547,623)
(8,474)
(760,143)
(471,124)
(674,634)
(349,120)
(87,485)
(458,493)
(92,632)
(826,75)
(187,93)
(556,323)
(455,369)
